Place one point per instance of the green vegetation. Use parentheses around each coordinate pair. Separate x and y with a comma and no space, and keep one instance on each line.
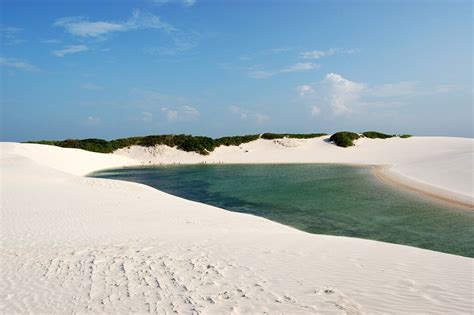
(202,145)
(271,136)
(235,140)
(376,135)
(405,136)
(344,138)
(188,143)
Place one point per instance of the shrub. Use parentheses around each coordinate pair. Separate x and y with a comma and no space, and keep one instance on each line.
(271,136)
(235,140)
(405,136)
(188,143)
(344,138)
(376,135)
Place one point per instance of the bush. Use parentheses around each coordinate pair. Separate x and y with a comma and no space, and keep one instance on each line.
(376,135)
(235,140)
(188,143)
(199,144)
(344,138)
(271,136)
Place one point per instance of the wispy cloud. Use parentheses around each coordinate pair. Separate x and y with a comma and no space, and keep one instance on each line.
(315,110)
(245,114)
(182,113)
(18,64)
(91,86)
(92,121)
(304,89)
(51,41)
(265,53)
(82,27)
(341,96)
(316,54)
(394,89)
(300,67)
(146,116)
(10,35)
(256,72)
(184,3)
(260,74)
(180,42)
(445,88)
(69,50)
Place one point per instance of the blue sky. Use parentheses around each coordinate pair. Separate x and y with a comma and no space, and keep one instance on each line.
(109,69)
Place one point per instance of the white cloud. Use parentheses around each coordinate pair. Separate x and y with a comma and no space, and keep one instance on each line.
(445,88)
(301,66)
(394,89)
(170,113)
(316,54)
(92,121)
(180,42)
(147,116)
(79,26)
(18,64)
(256,72)
(260,74)
(245,114)
(68,50)
(9,35)
(304,89)
(315,110)
(261,118)
(343,93)
(91,86)
(184,3)
(51,41)
(182,113)
(341,96)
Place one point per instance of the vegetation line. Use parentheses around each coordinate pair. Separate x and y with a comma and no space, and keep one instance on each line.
(200,144)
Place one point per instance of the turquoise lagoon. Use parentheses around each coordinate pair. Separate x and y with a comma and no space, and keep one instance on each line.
(317,198)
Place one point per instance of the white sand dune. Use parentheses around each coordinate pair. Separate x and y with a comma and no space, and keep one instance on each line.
(76,244)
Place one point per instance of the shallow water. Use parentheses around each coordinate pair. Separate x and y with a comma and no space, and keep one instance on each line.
(317,198)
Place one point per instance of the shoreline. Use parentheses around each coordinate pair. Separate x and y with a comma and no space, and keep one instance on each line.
(381,172)
(430,192)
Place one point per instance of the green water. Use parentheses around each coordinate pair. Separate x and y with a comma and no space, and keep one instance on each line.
(317,198)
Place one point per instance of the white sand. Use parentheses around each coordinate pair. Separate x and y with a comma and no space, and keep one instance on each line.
(76,244)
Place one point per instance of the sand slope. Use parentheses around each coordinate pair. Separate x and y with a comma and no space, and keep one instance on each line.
(76,244)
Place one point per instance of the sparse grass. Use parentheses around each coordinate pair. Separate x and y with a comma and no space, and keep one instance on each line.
(344,138)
